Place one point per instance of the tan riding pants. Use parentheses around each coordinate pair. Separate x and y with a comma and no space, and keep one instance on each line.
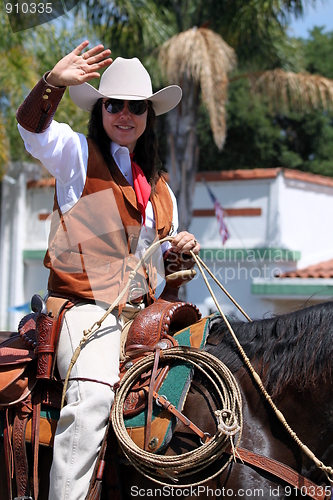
(83,419)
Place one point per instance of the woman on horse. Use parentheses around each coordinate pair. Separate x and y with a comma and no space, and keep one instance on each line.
(110,204)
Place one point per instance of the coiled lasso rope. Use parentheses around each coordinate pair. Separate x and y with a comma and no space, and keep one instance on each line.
(160,468)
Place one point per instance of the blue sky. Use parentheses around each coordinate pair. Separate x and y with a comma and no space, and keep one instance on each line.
(320,15)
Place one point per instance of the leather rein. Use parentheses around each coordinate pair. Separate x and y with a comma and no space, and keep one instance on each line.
(306,487)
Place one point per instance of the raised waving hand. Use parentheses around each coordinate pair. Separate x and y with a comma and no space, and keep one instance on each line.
(77,68)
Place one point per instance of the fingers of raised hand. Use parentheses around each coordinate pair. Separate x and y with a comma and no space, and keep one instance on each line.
(98,51)
(96,54)
(94,60)
(77,51)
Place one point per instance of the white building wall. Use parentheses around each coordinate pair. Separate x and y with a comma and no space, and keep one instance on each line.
(236,278)
(35,278)
(14,218)
(306,211)
(11,248)
(292,218)
(39,202)
(273,216)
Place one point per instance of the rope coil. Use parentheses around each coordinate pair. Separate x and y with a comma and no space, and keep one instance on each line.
(156,467)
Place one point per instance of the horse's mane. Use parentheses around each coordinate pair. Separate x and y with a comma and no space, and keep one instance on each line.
(295,348)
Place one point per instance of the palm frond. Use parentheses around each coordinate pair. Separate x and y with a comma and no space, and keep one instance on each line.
(288,91)
(202,55)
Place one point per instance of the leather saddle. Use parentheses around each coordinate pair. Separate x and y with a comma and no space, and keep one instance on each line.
(21,398)
(30,354)
(26,369)
(23,391)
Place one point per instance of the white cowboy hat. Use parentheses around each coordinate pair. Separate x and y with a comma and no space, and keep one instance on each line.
(126,79)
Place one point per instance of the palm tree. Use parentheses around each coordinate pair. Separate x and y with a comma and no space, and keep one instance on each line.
(197,59)
(288,91)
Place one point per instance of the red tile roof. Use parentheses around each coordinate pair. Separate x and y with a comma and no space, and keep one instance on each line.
(264,173)
(321,270)
(232,175)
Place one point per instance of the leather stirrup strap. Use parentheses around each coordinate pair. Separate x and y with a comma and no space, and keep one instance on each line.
(35,443)
(19,446)
(111,471)
(151,399)
(281,471)
(162,401)
(7,436)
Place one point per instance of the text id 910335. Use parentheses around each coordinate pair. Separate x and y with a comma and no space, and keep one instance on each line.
(29,8)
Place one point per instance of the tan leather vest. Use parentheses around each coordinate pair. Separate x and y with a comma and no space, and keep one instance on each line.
(91,247)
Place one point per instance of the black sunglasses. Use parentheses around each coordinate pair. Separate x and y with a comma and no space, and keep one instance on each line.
(114,106)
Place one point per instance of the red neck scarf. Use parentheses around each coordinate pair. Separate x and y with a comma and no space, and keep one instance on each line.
(141,187)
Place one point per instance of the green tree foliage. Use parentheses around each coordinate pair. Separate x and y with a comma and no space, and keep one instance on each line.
(254,28)
(308,142)
(25,57)
(17,71)
(252,138)
(317,52)
(258,138)
(189,56)
(129,27)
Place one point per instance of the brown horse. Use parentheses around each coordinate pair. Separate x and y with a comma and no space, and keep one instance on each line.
(293,355)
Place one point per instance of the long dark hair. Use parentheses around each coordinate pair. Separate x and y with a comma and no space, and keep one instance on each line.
(146,149)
